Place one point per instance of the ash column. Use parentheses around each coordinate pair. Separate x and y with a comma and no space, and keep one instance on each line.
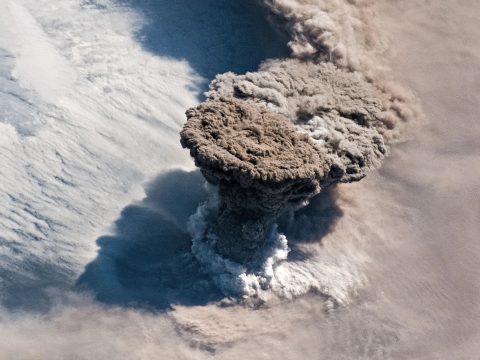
(261,165)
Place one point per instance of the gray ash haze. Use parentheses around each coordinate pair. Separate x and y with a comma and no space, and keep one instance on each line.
(109,245)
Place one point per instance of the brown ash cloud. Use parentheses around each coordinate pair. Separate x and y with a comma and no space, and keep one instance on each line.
(272,139)
(340,111)
(261,164)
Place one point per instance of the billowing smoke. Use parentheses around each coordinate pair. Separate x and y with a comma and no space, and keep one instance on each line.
(261,164)
(343,32)
(272,139)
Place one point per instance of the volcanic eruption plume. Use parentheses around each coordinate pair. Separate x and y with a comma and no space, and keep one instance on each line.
(272,139)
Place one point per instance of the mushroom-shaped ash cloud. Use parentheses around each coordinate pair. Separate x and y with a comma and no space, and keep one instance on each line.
(272,139)
(261,164)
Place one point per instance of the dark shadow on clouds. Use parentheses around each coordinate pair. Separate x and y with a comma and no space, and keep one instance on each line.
(213,36)
(147,262)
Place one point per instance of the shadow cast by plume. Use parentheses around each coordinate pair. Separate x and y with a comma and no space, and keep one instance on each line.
(147,262)
(311,223)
